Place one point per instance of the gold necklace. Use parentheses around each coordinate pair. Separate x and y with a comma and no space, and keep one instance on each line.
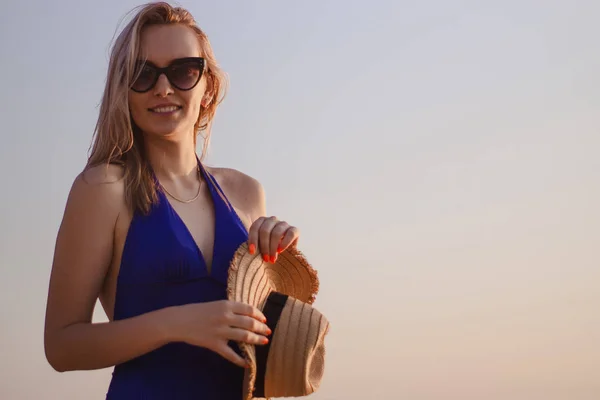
(190,200)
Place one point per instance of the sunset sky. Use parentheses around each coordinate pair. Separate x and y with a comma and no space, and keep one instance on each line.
(440,158)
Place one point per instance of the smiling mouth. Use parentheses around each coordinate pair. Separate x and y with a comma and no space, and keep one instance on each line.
(165,109)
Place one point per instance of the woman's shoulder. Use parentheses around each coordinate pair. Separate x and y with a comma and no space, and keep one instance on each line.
(235,179)
(95,206)
(100,186)
(244,191)
(101,174)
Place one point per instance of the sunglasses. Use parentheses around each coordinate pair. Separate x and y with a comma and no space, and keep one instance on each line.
(182,73)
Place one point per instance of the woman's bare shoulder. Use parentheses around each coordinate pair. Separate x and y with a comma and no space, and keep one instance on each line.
(244,191)
(103,174)
(100,186)
(235,179)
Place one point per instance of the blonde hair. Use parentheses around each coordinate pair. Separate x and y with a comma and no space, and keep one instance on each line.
(116,137)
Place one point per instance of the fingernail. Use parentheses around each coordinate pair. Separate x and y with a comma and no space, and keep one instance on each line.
(279,250)
(269,332)
(252,248)
(266,257)
(273,258)
(265,341)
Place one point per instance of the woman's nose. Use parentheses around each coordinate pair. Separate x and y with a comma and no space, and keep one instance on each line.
(163,86)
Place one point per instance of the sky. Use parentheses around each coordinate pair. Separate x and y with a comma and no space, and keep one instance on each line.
(439,158)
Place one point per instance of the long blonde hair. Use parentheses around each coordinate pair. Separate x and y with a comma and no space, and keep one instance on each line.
(116,137)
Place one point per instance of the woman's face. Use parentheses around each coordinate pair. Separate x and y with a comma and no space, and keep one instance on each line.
(165,111)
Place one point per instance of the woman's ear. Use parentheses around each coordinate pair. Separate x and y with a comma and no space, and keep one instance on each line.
(209,93)
(206,99)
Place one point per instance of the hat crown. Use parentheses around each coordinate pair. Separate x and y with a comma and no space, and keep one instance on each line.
(296,360)
(316,366)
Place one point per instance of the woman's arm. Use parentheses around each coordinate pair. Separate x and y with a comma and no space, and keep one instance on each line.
(83,253)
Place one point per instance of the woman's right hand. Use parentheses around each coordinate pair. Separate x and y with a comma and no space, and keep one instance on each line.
(213,324)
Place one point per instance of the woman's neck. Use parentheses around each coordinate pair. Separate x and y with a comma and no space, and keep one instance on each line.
(172,160)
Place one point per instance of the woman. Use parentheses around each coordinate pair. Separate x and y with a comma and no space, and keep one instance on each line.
(150,230)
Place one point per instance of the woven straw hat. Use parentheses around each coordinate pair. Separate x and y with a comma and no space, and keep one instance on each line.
(292,363)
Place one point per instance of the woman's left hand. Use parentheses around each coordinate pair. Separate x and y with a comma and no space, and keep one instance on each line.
(271,236)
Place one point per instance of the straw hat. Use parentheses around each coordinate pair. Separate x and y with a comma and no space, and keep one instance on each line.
(292,363)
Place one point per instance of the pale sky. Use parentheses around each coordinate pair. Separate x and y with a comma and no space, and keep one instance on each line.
(440,159)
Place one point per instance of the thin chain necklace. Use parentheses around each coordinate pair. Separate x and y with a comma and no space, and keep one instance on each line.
(190,200)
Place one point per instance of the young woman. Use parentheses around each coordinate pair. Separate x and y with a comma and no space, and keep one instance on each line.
(150,231)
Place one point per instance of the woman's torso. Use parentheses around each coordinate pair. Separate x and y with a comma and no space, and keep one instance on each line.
(177,254)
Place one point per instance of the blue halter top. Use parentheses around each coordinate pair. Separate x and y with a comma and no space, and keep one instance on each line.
(162,266)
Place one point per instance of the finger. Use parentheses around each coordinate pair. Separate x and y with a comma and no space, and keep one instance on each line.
(276,237)
(290,238)
(253,234)
(264,235)
(249,324)
(228,353)
(245,336)
(240,308)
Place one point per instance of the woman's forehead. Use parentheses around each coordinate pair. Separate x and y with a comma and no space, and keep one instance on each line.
(161,44)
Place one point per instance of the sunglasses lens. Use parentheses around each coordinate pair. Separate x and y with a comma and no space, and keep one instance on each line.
(185,75)
(145,79)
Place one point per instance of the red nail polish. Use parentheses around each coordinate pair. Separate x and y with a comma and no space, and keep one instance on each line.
(273,258)
(279,250)
(252,248)
(266,257)
(265,341)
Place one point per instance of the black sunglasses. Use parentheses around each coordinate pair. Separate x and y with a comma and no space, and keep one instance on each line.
(182,73)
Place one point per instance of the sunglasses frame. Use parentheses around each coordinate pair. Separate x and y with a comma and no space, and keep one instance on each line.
(159,71)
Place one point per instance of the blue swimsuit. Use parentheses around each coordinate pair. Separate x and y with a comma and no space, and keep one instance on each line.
(162,266)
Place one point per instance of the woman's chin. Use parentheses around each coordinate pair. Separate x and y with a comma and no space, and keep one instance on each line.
(173,132)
